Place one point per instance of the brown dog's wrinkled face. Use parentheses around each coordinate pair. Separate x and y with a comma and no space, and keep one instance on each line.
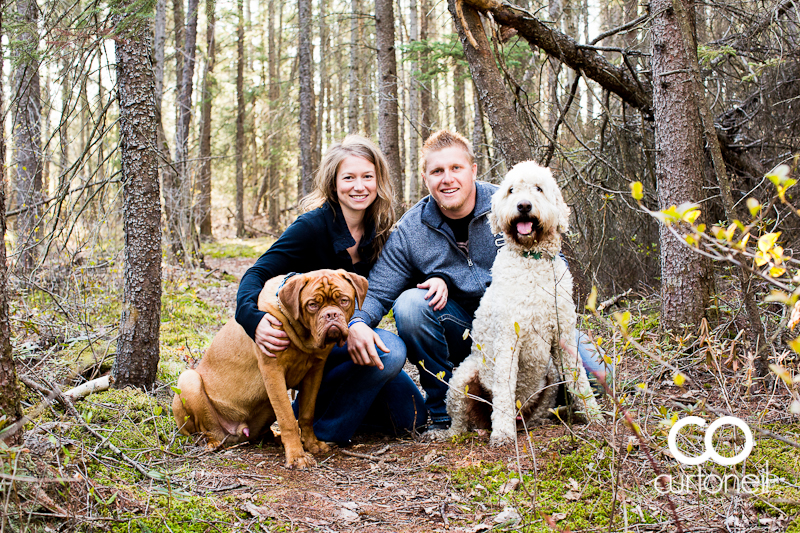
(529,208)
(323,302)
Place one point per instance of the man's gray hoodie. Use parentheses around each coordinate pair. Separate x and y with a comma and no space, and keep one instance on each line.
(423,246)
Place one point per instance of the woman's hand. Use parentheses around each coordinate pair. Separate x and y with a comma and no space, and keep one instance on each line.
(437,288)
(361,343)
(269,338)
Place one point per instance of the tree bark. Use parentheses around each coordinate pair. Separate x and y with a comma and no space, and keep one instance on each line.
(491,91)
(273,207)
(27,114)
(556,44)
(413,108)
(240,121)
(685,277)
(10,407)
(307,115)
(426,113)
(352,105)
(159,43)
(388,127)
(203,209)
(137,348)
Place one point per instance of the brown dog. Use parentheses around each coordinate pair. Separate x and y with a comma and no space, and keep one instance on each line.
(237,392)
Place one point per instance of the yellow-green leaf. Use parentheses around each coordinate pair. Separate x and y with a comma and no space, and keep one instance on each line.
(642,386)
(591,302)
(679,379)
(440,375)
(777,271)
(636,190)
(466,390)
(754,206)
(768,240)
(519,404)
(465,335)
(782,373)
(779,175)
(795,345)
(516,328)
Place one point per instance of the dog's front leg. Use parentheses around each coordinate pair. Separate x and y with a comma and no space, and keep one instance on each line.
(504,388)
(309,388)
(275,383)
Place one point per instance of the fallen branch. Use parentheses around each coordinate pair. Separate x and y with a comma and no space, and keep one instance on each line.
(614,299)
(369,456)
(95,385)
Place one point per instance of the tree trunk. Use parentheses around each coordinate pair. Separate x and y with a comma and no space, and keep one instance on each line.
(240,121)
(685,276)
(273,207)
(203,209)
(491,91)
(388,128)
(426,114)
(478,137)
(459,98)
(27,114)
(137,348)
(10,407)
(352,105)
(184,105)
(307,118)
(159,44)
(413,108)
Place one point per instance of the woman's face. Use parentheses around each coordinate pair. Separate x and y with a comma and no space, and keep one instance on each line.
(356,185)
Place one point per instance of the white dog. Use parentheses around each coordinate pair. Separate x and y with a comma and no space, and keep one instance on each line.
(516,356)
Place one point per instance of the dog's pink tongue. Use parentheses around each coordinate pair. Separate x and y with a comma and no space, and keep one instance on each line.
(524,228)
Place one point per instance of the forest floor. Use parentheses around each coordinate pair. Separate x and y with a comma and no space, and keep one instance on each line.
(114,461)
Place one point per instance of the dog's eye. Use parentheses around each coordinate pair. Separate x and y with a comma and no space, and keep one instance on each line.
(345,301)
(539,189)
(510,190)
(312,305)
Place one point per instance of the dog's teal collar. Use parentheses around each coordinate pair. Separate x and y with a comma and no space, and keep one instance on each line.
(534,255)
(278,298)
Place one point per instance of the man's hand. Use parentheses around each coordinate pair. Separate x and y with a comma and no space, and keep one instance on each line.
(269,338)
(436,288)
(361,343)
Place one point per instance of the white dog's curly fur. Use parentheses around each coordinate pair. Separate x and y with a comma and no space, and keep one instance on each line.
(532,287)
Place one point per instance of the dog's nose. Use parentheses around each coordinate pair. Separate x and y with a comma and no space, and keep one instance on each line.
(332,315)
(524,206)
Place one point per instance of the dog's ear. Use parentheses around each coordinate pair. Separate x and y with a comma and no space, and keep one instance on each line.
(494,223)
(360,285)
(289,294)
(563,212)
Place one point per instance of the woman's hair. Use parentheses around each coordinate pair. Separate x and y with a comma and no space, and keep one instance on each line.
(381,212)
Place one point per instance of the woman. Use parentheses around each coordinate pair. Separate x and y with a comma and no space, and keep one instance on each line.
(347,221)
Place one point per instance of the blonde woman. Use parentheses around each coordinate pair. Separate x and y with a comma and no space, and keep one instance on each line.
(346,222)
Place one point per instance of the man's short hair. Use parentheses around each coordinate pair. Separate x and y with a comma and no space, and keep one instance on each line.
(445,139)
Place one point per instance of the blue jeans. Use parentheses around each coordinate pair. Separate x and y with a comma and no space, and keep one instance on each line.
(354,396)
(435,341)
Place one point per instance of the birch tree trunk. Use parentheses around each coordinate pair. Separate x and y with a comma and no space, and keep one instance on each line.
(240,121)
(388,128)
(27,113)
(137,348)
(10,407)
(203,209)
(685,276)
(307,118)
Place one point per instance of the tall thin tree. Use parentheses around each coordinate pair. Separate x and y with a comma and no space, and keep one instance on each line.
(27,113)
(203,211)
(307,116)
(240,121)
(137,348)
(388,127)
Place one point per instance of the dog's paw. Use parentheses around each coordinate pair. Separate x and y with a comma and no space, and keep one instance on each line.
(437,435)
(316,447)
(301,461)
(501,438)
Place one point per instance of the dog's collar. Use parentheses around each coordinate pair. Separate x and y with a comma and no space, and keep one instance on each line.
(277,298)
(533,255)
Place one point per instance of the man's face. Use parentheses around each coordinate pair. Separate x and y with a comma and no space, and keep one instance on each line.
(451,181)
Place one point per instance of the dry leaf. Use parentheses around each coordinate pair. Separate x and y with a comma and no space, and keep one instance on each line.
(795,318)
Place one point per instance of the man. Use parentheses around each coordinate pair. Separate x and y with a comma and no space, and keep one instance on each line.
(434,270)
